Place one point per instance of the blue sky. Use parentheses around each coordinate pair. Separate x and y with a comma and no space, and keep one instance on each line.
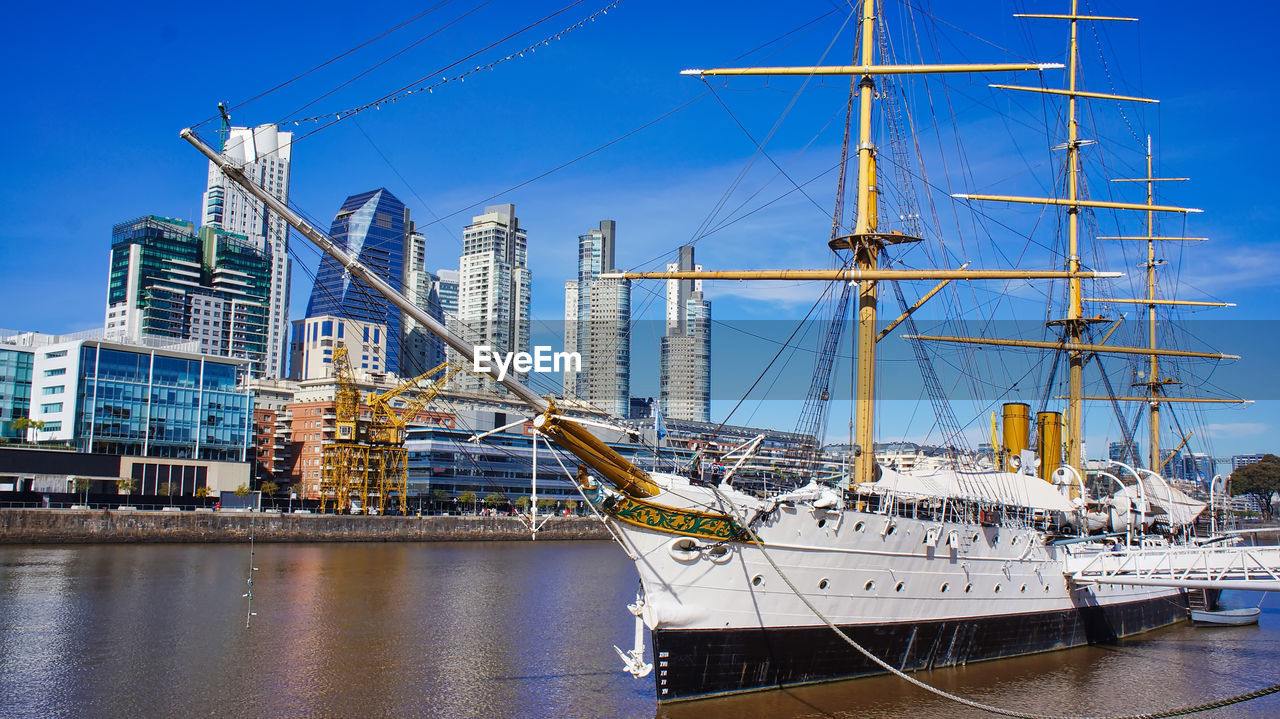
(98,95)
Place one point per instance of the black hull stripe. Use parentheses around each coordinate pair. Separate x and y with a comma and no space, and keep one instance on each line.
(695,663)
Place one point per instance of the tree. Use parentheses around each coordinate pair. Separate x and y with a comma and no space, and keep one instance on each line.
(26,424)
(166,488)
(269,488)
(468,497)
(204,493)
(522,504)
(572,505)
(82,484)
(125,485)
(545,503)
(494,500)
(1259,481)
(242,490)
(438,497)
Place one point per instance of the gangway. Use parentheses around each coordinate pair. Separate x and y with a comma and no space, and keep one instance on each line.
(1190,567)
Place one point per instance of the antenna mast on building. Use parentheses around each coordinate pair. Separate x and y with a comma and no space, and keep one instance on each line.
(225,129)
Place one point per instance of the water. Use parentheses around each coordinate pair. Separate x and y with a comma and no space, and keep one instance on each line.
(474,630)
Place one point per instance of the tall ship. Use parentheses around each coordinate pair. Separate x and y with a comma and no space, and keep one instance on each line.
(1019,550)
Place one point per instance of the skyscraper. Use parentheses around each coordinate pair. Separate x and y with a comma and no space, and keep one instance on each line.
(422,350)
(212,287)
(264,152)
(598,325)
(685,363)
(1198,467)
(1122,451)
(374,226)
(447,289)
(494,285)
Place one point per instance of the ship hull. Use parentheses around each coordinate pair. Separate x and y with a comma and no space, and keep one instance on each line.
(697,663)
(918,585)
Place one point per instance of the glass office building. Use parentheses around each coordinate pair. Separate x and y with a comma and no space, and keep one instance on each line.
(121,399)
(15,389)
(374,226)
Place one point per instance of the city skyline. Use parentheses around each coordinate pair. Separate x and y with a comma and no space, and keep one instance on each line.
(664,165)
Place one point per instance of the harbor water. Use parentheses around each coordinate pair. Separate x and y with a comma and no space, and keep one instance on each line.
(484,629)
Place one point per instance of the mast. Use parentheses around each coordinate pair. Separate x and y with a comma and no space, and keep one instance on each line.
(1153,384)
(1075,313)
(1153,375)
(866,256)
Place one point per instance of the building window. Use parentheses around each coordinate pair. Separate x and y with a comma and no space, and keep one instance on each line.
(55,372)
(51,408)
(54,355)
(52,426)
(53,389)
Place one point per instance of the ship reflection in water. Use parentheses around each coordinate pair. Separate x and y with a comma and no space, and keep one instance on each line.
(476,630)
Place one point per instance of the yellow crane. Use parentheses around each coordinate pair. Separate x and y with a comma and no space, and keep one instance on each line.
(344,462)
(387,431)
(367,459)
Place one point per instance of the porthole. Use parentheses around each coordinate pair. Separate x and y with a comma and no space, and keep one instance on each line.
(1023,589)
(822,523)
(1046,588)
(1015,541)
(974,538)
(889,530)
(945,586)
(757,580)
(859,527)
(870,586)
(898,587)
(968,588)
(997,589)
(823,583)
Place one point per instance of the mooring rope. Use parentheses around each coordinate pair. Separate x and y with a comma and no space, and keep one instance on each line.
(1183,711)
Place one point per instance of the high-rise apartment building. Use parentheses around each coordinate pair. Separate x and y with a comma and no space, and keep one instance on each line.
(447,289)
(422,350)
(374,227)
(264,152)
(493,286)
(685,363)
(212,287)
(598,325)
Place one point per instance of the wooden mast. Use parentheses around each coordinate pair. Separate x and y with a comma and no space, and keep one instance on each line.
(1075,313)
(866,257)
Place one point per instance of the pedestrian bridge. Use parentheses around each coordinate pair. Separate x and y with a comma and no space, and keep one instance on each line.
(1189,567)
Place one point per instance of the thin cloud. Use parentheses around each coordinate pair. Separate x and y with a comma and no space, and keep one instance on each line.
(1232,430)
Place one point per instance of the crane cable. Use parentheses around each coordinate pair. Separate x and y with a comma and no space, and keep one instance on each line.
(1183,711)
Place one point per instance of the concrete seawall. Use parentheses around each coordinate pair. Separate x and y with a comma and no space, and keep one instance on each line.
(44,526)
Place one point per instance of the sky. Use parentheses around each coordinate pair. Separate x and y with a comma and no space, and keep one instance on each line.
(597,123)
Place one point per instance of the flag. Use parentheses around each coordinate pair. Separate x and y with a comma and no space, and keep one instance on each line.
(659,429)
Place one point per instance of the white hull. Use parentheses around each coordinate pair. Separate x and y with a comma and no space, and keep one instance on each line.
(865,570)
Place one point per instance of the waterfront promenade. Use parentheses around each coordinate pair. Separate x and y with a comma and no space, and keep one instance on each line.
(59,526)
